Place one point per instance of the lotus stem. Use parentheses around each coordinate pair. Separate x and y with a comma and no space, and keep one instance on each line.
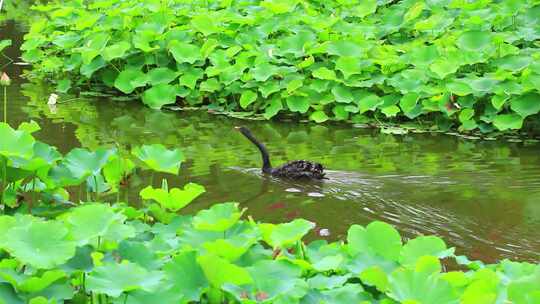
(97,187)
(5,102)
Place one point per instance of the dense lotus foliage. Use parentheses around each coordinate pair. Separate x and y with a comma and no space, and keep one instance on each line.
(467,64)
(95,252)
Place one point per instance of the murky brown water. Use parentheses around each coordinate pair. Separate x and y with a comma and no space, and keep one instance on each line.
(481,196)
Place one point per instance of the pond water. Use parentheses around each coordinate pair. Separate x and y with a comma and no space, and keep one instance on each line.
(483,197)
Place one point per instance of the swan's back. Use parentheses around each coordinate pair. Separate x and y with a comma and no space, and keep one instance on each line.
(299,169)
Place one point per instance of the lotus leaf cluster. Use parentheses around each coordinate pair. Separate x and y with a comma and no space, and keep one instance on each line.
(467,64)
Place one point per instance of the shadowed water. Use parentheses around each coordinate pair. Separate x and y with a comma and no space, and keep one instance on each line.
(481,196)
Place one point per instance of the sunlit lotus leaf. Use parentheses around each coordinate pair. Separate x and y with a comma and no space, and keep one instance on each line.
(443,67)
(295,44)
(88,69)
(189,77)
(15,142)
(117,50)
(40,282)
(44,156)
(279,6)
(459,87)
(248,97)
(475,40)
(93,46)
(482,287)
(508,121)
(219,271)
(185,52)
(210,85)
(274,106)
(114,279)
(298,103)
(365,8)
(159,95)
(423,246)
(144,40)
(408,102)
(89,222)
(342,94)
(174,199)
(187,276)
(344,48)
(130,79)
(161,75)
(350,65)
(407,286)
(287,234)
(482,85)
(513,63)
(269,87)
(526,105)
(219,217)
(349,293)
(369,103)
(271,278)
(375,276)
(318,116)
(40,244)
(320,281)
(82,163)
(324,73)
(390,111)
(116,169)
(263,71)
(237,243)
(29,127)
(525,290)
(158,158)
(378,238)
(205,24)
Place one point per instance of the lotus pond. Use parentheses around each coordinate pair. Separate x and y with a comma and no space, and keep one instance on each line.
(480,196)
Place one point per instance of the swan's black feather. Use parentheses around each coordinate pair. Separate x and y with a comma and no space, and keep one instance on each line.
(297,169)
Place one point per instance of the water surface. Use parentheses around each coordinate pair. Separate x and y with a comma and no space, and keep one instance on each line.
(483,197)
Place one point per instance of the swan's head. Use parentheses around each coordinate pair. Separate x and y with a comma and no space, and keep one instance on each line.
(242,129)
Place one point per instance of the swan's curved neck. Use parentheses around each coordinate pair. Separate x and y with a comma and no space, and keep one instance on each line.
(267,166)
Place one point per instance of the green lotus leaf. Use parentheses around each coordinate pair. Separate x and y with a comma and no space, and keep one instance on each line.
(190,77)
(93,46)
(296,43)
(87,223)
(38,283)
(342,94)
(185,52)
(443,67)
(526,105)
(408,286)
(513,63)
(40,244)
(161,76)
(263,71)
(350,65)
(365,8)
(159,95)
(219,271)
(143,40)
(508,121)
(82,163)
(187,276)
(269,87)
(219,217)
(482,85)
(525,290)
(349,293)
(318,116)
(116,169)
(465,115)
(279,6)
(45,156)
(475,40)
(271,278)
(391,111)
(369,103)
(498,101)
(378,238)
(88,70)
(158,158)
(117,50)
(248,97)
(324,73)
(321,281)
(115,279)
(422,246)
(287,234)
(15,142)
(176,198)
(9,295)
(130,79)
(237,243)
(274,106)
(205,24)
(375,276)
(459,87)
(298,103)
(344,48)
(210,85)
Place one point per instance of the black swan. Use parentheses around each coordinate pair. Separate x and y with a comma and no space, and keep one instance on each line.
(296,169)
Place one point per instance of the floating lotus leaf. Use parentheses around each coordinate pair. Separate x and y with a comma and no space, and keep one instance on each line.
(158,158)
(40,244)
(115,279)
